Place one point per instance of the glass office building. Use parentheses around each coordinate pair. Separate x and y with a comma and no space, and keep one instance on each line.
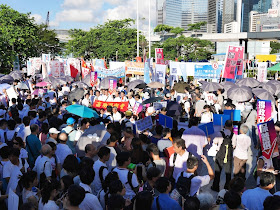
(173,13)
(262,6)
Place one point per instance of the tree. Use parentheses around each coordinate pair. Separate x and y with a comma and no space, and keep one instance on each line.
(196,26)
(105,40)
(163,28)
(20,36)
(177,30)
(275,47)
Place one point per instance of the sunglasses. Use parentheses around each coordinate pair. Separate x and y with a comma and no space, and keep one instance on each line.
(16,143)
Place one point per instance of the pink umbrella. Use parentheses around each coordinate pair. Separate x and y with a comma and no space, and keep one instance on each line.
(42,84)
(39,92)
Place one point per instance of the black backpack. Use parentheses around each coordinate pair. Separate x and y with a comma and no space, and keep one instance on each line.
(100,173)
(183,185)
(226,147)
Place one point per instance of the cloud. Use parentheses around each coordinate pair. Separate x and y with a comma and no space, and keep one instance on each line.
(37,18)
(75,15)
(92,4)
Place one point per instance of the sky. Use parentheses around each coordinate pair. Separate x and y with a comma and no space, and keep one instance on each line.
(84,14)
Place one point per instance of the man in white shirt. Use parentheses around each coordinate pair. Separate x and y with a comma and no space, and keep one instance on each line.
(65,89)
(91,96)
(128,178)
(240,154)
(112,141)
(123,97)
(131,100)
(100,168)
(53,133)
(117,97)
(178,160)
(90,201)
(116,115)
(62,150)
(3,127)
(85,101)
(43,165)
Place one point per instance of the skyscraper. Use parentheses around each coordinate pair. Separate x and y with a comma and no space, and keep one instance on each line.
(161,12)
(262,6)
(173,13)
(228,11)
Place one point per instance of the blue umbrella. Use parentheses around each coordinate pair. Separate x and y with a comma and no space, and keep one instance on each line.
(82,111)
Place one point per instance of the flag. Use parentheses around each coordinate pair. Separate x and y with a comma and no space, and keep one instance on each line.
(91,67)
(85,69)
(120,81)
(73,71)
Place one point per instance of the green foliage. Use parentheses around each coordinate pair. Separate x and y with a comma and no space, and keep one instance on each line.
(275,47)
(19,35)
(104,40)
(196,26)
(177,30)
(163,28)
(187,48)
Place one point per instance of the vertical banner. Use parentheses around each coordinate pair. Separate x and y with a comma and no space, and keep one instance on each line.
(159,56)
(137,108)
(268,138)
(262,71)
(44,70)
(160,73)
(30,69)
(46,58)
(54,68)
(93,78)
(147,78)
(62,72)
(112,86)
(264,111)
(184,71)
(234,60)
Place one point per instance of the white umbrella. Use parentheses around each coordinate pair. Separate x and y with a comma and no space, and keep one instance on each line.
(22,86)
(269,87)
(240,94)
(212,86)
(249,82)
(263,94)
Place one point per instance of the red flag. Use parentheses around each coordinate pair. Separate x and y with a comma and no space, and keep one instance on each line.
(91,67)
(120,81)
(73,71)
(85,69)
(84,64)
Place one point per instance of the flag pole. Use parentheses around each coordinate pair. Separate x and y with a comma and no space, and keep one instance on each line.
(137,22)
(149,28)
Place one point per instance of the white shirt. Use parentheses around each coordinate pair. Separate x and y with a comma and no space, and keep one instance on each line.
(243,143)
(117,117)
(117,99)
(97,182)
(112,162)
(85,102)
(62,151)
(9,167)
(23,153)
(65,89)
(187,105)
(43,164)
(196,182)
(131,102)
(90,201)
(123,174)
(50,205)
(78,134)
(15,176)
(180,163)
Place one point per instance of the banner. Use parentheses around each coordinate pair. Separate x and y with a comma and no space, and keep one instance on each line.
(122,106)
(264,58)
(264,111)
(159,56)
(30,69)
(160,73)
(93,78)
(99,63)
(112,86)
(166,121)
(138,107)
(207,71)
(234,59)
(62,71)
(268,138)
(262,71)
(53,68)
(144,124)
(36,63)
(74,63)
(147,78)
(134,68)
(102,72)
(184,71)
(46,58)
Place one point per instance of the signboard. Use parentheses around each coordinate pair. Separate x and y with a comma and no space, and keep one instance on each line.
(159,105)
(262,71)
(159,56)
(166,121)
(147,78)
(53,68)
(102,72)
(112,86)
(220,119)
(160,73)
(122,106)
(93,78)
(30,69)
(235,115)
(138,107)
(263,111)
(208,128)
(268,138)
(234,59)
(207,71)
(264,58)
(144,124)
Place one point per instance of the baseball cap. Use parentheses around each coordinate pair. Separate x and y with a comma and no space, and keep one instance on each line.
(128,113)
(54,130)
(70,121)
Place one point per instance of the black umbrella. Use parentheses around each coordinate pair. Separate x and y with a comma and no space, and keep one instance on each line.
(6,79)
(141,86)
(134,83)
(17,75)
(76,94)
(152,100)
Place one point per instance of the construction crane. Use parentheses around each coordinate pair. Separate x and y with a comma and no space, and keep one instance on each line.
(48,19)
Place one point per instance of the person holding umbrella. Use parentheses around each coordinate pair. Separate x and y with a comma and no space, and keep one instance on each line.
(70,130)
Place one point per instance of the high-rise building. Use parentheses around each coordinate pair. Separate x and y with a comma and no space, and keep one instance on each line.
(229,9)
(262,6)
(173,10)
(245,16)
(161,11)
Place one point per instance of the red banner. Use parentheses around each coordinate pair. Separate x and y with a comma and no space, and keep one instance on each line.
(122,106)
(234,59)
(159,56)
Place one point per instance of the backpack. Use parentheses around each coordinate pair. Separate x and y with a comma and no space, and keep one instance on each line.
(129,181)
(43,177)
(101,173)
(9,143)
(13,110)
(183,185)
(226,149)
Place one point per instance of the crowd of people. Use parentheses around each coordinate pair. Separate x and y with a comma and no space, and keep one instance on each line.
(47,164)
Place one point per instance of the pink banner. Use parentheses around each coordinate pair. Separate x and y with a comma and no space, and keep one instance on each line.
(112,86)
(93,78)
(264,111)
(268,138)
(137,108)
(234,59)
(159,56)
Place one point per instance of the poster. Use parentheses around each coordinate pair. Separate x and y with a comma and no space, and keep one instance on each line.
(184,71)
(46,58)
(36,63)
(159,105)
(262,71)
(160,73)
(30,69)
(166,121)
(138,107)
(159,56)
(112,86)
(118,72)
(268,138)
(263,111)
(220,119)
(122,106)
(147,78)
(85,71)
(53,68)
(144,124)
(207,71)
(208,128)
(62,72)
(235,115)
(93,78)
(234,60)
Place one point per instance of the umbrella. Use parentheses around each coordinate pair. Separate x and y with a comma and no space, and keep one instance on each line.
(2,75)
(104,84)
(212,86)
(67,78)
(80,84)
(86,80)
(274,82)
(17,75)
(239,94)
(141,86)
(42,84)
(39,92)
(263,94)
(57,81)
(22,86)
(180,87)
(6,79)
(269,87)
(275,67)
(227,85)
(134,83)
(82,111)
(249,82)
(76,94)
(4,86)
(152,100)
(155,85)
